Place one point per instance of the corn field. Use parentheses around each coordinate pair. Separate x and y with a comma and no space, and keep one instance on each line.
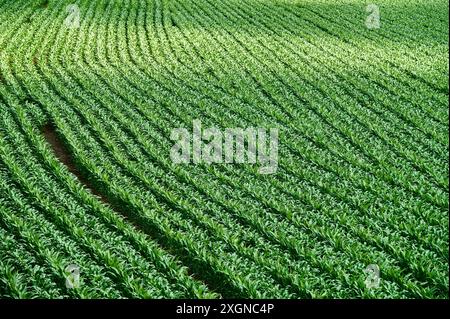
(93,206)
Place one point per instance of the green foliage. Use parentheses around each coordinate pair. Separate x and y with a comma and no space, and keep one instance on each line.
(363,160)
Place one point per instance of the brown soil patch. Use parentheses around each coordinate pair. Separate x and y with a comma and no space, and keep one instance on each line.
(64,156)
